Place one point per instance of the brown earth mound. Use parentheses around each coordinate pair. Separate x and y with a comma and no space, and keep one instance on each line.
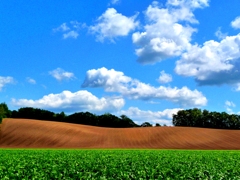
(22,133)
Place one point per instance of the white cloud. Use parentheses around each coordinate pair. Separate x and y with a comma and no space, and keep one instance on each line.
(167,32)
(115,1)
(190,4)
(60,74)
(70,34)
(30,80)
(164,77)
(214,63)
(140,116)
(220,35)
(71,30)
(63,27)
(116,81)
(236,23)
(5,80)
(230,104)
(112,24)
(72,102)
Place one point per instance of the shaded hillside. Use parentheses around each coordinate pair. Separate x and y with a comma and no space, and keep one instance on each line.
(21,133)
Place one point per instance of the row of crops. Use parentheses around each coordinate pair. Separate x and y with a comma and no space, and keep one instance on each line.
(118,164)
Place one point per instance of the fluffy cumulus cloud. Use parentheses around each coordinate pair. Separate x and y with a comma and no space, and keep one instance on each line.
(116,81)
(212,60)
(72,102)
(140,116)
(5,80)
(60,74)
(112,24)
(167,32)
(164,77)
(236,23)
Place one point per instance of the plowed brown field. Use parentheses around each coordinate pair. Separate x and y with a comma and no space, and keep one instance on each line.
(22,133)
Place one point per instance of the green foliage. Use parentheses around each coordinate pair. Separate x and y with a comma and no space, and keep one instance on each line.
(4,111)
(198,118)
(86,118)
(146,124)
(119,164)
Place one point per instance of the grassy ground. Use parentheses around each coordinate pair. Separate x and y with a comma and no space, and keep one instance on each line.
(118,164)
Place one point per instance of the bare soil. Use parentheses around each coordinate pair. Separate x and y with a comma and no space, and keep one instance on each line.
(24,133)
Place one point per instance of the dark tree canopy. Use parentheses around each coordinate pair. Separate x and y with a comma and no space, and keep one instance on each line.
(86,118)
(4,111)
(146,124)
(198,118)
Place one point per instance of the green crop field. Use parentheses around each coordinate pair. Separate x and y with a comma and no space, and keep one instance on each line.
(118,164)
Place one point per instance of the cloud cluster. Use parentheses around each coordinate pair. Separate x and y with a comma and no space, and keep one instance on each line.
(60,75)
(112,24)
(116,81)
(5,80)
(140,116)
(212,60)
(73,102)
(167,32)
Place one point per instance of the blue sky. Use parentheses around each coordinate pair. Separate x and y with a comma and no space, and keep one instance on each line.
(144,59)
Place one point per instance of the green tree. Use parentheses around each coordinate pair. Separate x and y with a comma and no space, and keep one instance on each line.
(146,124)
(4,111)
(157,125)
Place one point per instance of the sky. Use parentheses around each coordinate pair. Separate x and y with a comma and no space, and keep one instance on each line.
(145,59)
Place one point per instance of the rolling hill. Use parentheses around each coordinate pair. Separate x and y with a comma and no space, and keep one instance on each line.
(25,133)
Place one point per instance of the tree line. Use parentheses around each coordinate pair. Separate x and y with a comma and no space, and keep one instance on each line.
(86,118)
(204,118)
(188,118)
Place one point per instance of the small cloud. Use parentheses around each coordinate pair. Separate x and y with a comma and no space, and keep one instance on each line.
(44,86)
(220,35)
(30,80)
(115,1)
(230,104)
(71,30)
(164,77)
(236,23)
(112,24)
(63,27)
(5,80)
(60,74)
(70,34)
